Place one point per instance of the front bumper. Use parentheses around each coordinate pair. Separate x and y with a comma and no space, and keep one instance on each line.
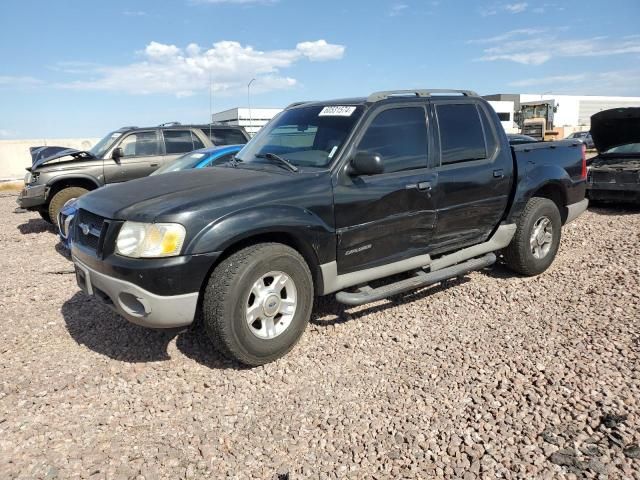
(32,196)
(134,303)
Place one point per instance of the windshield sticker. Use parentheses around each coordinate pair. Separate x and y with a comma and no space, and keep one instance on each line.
(337,111)
(333,151)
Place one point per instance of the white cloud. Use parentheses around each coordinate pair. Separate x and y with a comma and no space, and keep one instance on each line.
(6,133)
(397,9)
(320,50)
(134,13)
(516,7)
(618,82)
(535,46)
(170,69)
(11,81)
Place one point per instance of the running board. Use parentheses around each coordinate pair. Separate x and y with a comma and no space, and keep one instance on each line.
(367,294)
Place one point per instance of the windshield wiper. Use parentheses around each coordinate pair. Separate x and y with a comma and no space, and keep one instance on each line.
(278,158)
(235,161)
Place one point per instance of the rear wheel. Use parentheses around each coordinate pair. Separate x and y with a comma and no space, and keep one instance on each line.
(258,302)
(535,244)
(61,198)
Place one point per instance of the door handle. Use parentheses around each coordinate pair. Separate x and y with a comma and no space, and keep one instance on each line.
(424,186)
(154,164)
(498,173)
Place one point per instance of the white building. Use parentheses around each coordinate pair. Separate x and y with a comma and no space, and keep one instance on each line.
(251,119)
(573,111)
(504,109)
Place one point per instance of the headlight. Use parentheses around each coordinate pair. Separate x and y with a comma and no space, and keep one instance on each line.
(150,240)
(28,178)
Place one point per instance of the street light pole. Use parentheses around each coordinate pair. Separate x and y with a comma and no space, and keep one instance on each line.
(249,101)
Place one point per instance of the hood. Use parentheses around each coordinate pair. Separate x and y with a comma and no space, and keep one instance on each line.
(72,153)
(615,127)
(164,197)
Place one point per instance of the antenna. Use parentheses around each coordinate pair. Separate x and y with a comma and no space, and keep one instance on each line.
(210,103)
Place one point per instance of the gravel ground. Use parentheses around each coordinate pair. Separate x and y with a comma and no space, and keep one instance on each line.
(492,376)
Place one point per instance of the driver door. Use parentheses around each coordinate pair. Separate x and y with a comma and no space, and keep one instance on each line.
(389,216)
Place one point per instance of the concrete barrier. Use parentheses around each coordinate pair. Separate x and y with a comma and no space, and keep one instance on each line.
(15,156)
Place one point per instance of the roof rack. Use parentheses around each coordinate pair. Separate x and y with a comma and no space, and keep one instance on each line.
(169,124)
(295,104)
(128,127)
(378,96)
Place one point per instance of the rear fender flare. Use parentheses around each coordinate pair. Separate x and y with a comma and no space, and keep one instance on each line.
(536,178)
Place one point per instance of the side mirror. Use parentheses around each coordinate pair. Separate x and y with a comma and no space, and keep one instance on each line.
(365,163)
(117,154)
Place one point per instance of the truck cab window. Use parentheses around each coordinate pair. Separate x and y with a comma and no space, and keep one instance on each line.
(399,136)
(455,118)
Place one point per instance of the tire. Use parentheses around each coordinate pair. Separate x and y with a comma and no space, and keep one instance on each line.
(44,214)
(241,284)
(59,199)
(525,255)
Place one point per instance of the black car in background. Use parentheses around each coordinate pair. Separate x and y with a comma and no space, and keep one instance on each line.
(614,175)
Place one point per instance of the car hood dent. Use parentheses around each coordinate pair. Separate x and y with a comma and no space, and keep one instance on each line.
(72,153)
(612,128)
(167,197)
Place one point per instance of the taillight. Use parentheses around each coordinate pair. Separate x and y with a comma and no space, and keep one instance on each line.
(583,175)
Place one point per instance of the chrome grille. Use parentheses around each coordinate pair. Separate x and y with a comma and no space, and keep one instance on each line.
(88,229)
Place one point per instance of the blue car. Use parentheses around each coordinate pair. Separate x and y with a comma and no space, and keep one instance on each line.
(205,157)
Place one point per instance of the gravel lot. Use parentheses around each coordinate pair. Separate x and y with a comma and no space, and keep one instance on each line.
(493,376)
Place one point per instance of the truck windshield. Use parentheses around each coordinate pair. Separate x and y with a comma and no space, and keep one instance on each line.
(304,136)
(103,145)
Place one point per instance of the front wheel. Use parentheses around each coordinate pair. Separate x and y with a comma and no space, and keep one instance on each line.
(61,198)
(258,302)
(535,244)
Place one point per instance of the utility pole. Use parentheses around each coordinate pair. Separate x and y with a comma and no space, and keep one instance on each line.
(249,102)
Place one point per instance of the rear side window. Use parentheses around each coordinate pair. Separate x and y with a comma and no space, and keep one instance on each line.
(461,135)
(177,141)
(399,136)
(225,136)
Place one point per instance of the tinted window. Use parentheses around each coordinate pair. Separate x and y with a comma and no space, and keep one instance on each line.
(504,116)
(140,144)
(399,136)
(461,136)
(177,141)
(197,143)
(225,136)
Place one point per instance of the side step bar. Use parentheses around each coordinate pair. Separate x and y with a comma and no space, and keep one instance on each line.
(367,294)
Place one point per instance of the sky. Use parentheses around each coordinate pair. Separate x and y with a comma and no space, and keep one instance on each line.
(81,68)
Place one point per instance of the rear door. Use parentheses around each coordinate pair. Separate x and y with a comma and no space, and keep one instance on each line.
(179,141)
(391,216)
(474,173)
(142,154)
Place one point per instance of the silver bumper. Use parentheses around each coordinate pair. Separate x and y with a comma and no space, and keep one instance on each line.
(576,209)
(137,304)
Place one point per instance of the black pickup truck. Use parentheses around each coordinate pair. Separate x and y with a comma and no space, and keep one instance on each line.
(408,188)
